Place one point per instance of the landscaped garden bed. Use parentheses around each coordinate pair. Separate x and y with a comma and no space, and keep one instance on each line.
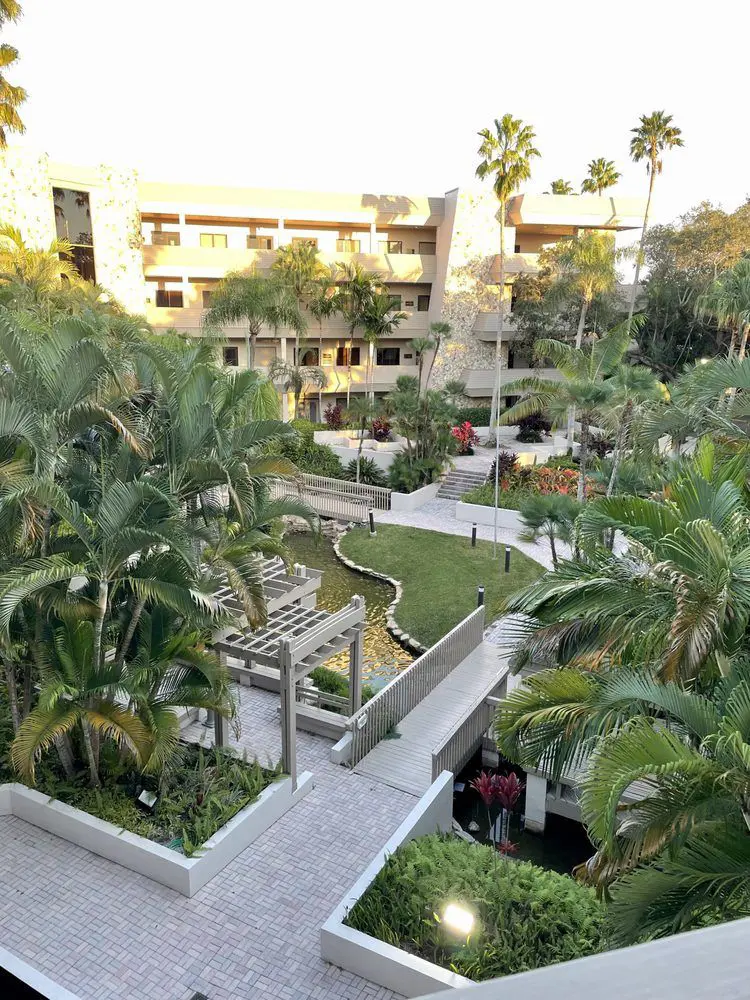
(522,917)
(518,482)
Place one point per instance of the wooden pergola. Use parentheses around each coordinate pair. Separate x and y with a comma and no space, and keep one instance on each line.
(280,586)
(295,640)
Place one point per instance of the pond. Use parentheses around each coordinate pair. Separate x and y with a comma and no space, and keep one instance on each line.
(383,657)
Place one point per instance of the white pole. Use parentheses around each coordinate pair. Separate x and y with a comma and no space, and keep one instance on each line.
(498,379)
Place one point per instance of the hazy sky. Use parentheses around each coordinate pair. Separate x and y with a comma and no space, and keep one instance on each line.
(386,96)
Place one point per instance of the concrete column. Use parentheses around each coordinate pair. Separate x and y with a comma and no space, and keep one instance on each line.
(355,662)
(186,291)
(280,234)
(373,237)
(288,712)
(221,731)
(536,803)
(182,227)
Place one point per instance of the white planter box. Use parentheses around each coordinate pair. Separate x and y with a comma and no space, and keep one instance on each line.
(411,501)
(370,958)
(185,875)
(476,513)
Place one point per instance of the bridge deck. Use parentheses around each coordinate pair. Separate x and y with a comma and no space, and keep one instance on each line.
(404,760)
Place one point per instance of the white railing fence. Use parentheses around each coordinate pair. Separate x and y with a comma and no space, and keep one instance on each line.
(459,745)
(327,503)
(393,702)
(377,497)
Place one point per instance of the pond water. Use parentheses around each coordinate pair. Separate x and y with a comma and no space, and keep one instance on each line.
(383,657)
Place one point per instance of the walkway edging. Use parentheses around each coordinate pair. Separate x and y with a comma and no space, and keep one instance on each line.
(392,627)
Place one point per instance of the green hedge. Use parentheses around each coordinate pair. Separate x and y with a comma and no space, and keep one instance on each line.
(506,499)
(478,416)
(525,916)
(332,682)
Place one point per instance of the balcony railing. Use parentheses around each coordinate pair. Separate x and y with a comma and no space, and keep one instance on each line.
(348,246)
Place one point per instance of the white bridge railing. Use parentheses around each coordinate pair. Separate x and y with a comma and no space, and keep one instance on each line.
(377,497)
(335,498)
(393,702)
(459,745)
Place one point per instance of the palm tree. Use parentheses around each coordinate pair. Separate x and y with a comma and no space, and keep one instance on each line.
(421,346)
(633,387)
(324,303)
(259,301)
(11,98)
(549,516)
(584,387)
(506,154)
(728,300)
(438,330)
(676,853)
(561,186)
(29,277)
(602,175)
(651,138)
(295,377)
(298,266)
(357,291)
(361,412)
(378,321)
(677,599)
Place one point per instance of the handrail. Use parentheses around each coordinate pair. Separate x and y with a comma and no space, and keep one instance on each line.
(457,747)
(327,503)
(379,497)
(393,702)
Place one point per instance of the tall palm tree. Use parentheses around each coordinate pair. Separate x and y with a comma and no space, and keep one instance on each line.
(11,97)
(677,852)
(632,388)
(421,347)
(583,385)
(299,266)
(651,138)
(728,300)
(602,175)
(295,377)
(323,303)
(361,412)
(561,186)
(357,290)
(258,301)
(438,331)
(379,320)
(506,153)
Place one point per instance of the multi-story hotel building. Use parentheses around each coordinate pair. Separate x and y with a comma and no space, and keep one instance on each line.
(161,249)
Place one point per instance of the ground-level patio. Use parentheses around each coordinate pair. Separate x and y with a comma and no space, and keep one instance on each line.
(103,931)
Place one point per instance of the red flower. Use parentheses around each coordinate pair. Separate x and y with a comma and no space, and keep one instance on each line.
(507,788)
(484,784)
(507,847)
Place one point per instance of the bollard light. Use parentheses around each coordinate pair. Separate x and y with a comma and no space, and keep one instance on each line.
(473,536)
(458,919)
(480,596)
(507,558)
(371,513)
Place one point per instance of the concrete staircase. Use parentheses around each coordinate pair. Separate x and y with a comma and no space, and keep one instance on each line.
(458,482)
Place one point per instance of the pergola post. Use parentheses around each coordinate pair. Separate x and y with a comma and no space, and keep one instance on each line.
(221,730)
(287,684)
(355,661)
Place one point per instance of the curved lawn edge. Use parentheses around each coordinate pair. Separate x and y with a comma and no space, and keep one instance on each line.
(392,627)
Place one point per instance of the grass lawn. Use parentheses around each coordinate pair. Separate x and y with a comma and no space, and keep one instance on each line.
(440,574)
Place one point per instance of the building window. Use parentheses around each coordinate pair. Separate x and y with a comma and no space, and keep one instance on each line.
(347,246)
(216,240)
(305,241)
(231,356)
(73,223)
(260,243)
(342,356)
(310,357)
(388,356)
(517,248)
(162,239)
(423,303)
(206,298)
(390,246)
(395,303)
(168,298)
(427,248)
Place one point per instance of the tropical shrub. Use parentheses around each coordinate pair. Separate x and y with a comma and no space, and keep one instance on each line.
(370,472)
(332,682)
(380,428)
(525,481)
(334,417)
(478,416)
(525,917)
(531,429)
(406,476)
(308,456)
(506,463)
(466,438)
(601,445)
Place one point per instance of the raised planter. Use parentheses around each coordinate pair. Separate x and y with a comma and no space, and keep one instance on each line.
(185,875)
(375,960)
(476,513)
(412,501)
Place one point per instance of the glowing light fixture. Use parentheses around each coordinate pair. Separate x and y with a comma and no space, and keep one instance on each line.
(704,361)
(458,919)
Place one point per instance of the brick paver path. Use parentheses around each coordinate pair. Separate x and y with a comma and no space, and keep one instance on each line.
(105,932)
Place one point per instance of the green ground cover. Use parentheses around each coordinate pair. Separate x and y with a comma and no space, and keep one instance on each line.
(525,917)
(440,575)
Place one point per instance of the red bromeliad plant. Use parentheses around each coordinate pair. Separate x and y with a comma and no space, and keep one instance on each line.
(466,437)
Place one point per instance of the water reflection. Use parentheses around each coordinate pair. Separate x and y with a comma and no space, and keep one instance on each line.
(383,657)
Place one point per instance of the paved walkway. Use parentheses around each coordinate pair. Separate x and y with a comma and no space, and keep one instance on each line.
(106,933)
(404,760)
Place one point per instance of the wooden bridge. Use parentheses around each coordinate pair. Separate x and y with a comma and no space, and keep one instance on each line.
(433,716)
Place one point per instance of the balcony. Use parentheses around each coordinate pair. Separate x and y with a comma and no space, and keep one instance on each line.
(485,327)
(480,381)
(515,263)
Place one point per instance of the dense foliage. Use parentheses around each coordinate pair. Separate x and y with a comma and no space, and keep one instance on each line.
(525,917)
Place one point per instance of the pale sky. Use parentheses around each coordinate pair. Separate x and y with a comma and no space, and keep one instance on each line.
(386,96)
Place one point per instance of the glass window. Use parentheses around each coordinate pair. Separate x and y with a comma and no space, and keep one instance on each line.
(218,240)
(305,241)
(73,223)
(342,356)
(388,355)
(161,239)
(423,303)
(347,246)
(390,246)
(517,248)
(168,298)
(260,243)
(311,356)
(395,303)
(426,248)
(231,356)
